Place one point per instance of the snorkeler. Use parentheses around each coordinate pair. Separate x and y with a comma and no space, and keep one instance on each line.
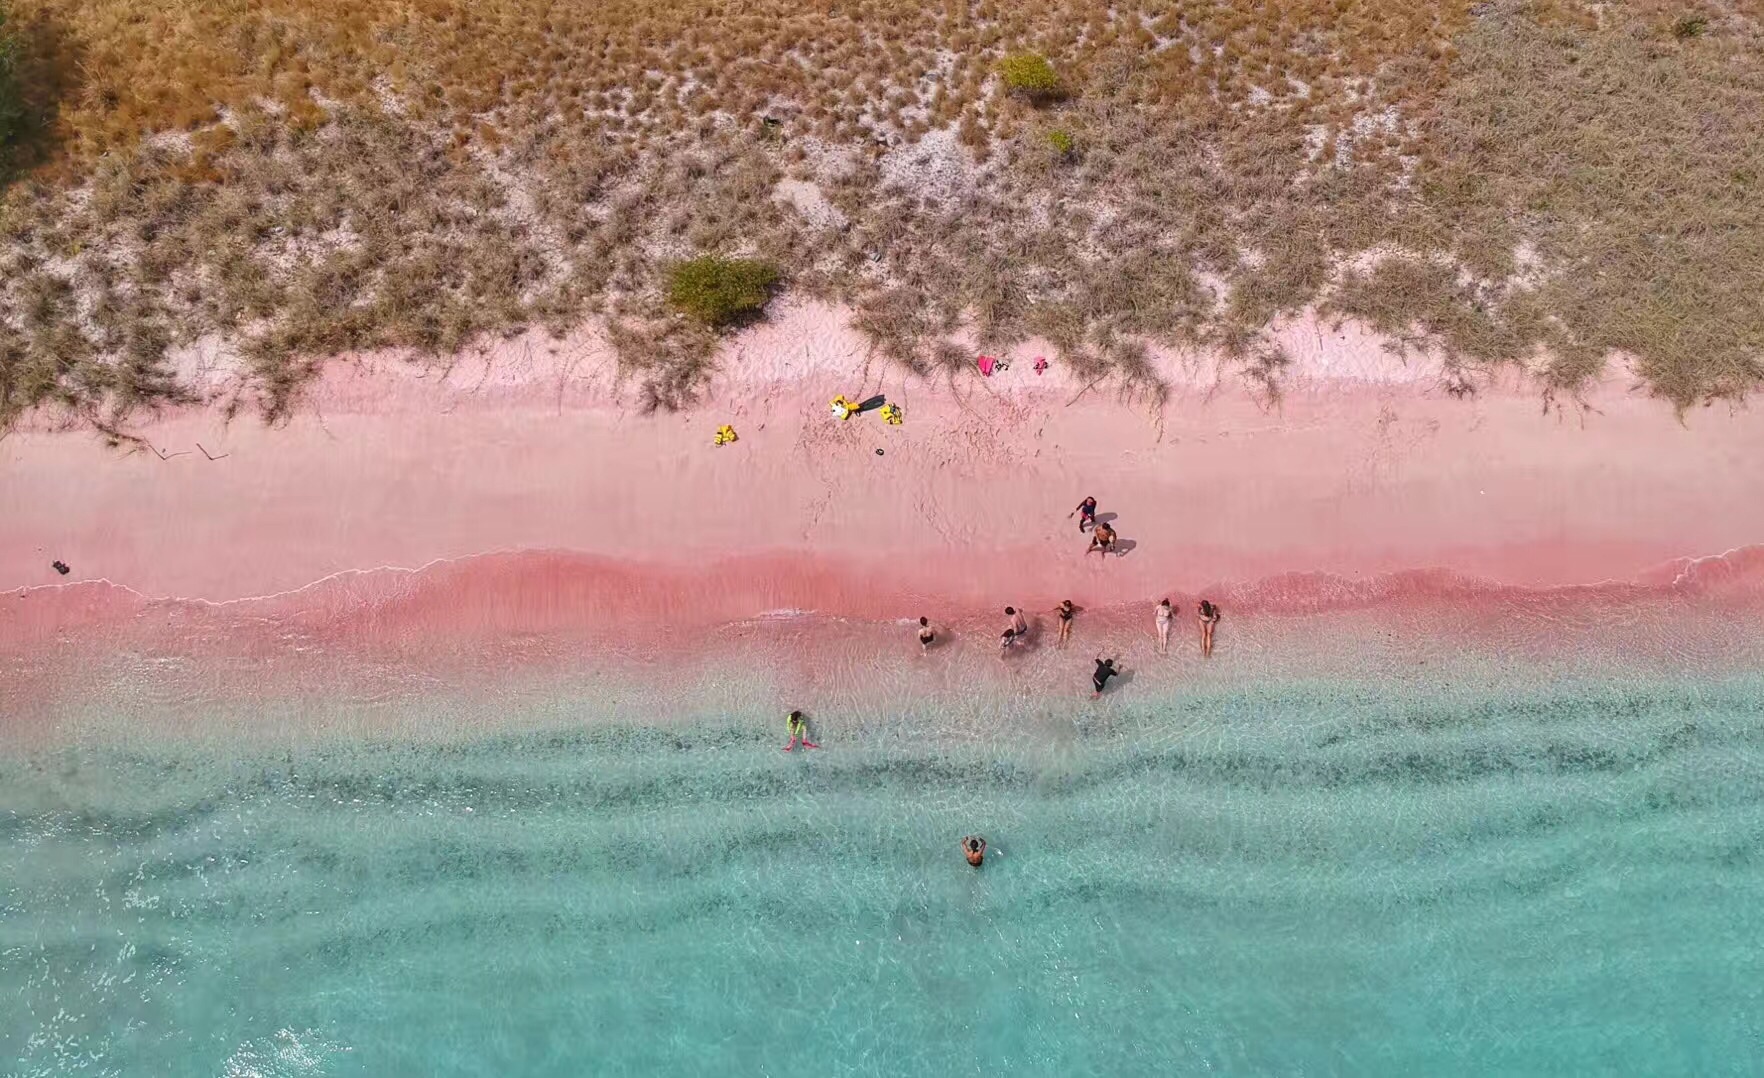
(799,732)
(1102,537)
(926,634)
(974,849)
(1209,617)
(1105,669)
(1086,512)
(1065,610)
(1166,614)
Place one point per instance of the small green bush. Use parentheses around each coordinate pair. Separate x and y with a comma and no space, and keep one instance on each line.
(1028,74)
(1062,142)
(719,291)
(1691,25)
(11,92)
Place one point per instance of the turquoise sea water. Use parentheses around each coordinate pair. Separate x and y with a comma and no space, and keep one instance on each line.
(1306,879)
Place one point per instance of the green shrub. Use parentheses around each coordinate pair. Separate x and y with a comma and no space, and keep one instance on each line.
(718,291)
(1028,74)
(1689,26)
(11,93)
(1062,142)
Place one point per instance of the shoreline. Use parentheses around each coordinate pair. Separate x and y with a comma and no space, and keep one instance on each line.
(533,503)
(500,660)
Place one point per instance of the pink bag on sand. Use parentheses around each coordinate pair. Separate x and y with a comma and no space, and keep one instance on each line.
(986,365)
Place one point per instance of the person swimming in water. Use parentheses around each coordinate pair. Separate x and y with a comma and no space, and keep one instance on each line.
(1105,669)
(1065,610)
(1006,641)
(926,634)
(1086,512)
(974,849)
(1102,537)
(1209,617)
(1166,614)
(799,732)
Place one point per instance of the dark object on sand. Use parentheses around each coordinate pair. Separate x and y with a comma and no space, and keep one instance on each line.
(878,452)
(60,567)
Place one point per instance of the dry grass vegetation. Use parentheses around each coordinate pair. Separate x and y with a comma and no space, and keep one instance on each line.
(1545,182)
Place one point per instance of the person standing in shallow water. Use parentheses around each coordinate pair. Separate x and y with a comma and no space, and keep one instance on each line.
(926,634)
(1086,512)
(1105,669)
(1209,617)
(798,732)
(974,849)
(1166,615)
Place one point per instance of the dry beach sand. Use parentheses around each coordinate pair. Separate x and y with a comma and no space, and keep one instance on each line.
(525,496)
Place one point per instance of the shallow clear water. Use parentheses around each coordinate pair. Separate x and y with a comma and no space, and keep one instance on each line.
(1309,879)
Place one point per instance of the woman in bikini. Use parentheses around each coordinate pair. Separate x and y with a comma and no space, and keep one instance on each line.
(1209,617)
(1166,614)
(926,634)
(1065,610)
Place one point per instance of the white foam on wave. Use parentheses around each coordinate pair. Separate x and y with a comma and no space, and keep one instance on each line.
(286,1054)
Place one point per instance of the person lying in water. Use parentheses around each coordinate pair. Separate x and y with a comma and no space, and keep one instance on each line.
(798,732)
(974,849)
(1066,611)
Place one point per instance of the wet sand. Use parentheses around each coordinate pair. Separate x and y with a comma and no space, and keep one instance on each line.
(525,495)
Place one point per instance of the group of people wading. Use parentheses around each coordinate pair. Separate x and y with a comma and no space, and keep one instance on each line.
(1016,632)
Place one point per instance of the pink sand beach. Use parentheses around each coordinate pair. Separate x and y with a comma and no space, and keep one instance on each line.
(523,495)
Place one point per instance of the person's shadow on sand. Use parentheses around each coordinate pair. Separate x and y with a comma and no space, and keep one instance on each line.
(1106,518)
(1123,546)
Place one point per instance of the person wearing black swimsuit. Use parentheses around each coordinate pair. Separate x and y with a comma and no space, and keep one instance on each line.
(1209,617)
(1065,610)
(1105,669)
(926,634)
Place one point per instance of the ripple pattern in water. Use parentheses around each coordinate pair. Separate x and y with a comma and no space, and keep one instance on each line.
(1311,879)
